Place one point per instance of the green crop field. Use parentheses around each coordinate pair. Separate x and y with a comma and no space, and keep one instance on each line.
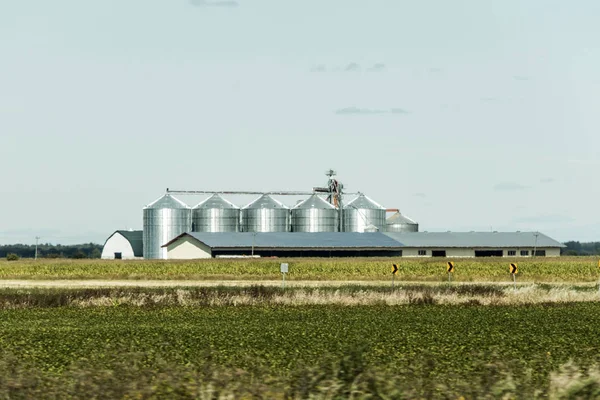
(569,269)
(423,351)
(477,337)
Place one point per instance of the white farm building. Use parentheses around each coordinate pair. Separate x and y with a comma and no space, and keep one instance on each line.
(196,245)
(123,245)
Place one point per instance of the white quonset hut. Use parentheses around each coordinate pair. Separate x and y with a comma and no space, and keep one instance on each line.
(123,245)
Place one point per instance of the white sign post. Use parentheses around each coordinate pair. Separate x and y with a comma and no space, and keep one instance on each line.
(284,270)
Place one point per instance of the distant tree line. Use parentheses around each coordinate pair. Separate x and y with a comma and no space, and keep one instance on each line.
(87,250)
(581,249)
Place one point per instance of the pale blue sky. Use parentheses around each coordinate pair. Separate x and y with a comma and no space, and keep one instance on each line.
(495,122)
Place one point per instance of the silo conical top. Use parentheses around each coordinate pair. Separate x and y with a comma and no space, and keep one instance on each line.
(398,218)
(216,201)
(166,201)
(266,201)
(314,201)
(363,202)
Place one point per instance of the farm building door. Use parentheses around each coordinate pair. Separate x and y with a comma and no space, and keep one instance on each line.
(118,256)
(438,253)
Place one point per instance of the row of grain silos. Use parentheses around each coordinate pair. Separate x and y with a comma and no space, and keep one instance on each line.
(169,217)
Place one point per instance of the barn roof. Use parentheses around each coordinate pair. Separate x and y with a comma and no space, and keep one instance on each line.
(293,240)
(135,238)
(473,239)
(371,240)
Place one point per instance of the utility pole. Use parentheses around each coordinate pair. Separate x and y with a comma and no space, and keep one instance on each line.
(253,241)
(37,238)
(535,243)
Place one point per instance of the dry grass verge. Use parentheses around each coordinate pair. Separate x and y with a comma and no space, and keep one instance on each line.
(347,295)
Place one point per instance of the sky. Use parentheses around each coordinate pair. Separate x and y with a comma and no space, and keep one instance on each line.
(466,114)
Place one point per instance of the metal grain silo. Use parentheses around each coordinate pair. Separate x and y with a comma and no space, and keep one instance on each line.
(265,214)
(314,215)
(362,212)
(164,219)
(216,214)
(400,223)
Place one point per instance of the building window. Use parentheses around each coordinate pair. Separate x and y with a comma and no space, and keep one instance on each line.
(540,253)
(512,253)
(422,252)
(524,252)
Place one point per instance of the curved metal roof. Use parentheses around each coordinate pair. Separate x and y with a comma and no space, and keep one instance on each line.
(167,201)
(364,202)
(216,201)
(314,201)
(398,218)
(266,201)
(135,238)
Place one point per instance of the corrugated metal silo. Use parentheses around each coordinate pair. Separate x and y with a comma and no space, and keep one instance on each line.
(314,215)
(362,212)
(400,223)
(216,214)
(265,214)
(164,219)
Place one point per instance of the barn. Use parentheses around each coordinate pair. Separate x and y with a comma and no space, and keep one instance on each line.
(193,245)
(282,244)
(123,245)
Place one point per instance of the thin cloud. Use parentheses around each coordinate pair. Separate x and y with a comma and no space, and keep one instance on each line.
(510,187)
(379,67)
(352,67)
(214,3)
(547,180)
(521,78)
(421,195)
(369,111)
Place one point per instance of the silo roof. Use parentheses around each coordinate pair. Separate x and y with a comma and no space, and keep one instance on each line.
(314,201)
(216,201)
(398,218)
(266,201)
(167,201)
(364,202)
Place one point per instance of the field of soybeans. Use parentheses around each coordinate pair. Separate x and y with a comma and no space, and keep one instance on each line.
(563,269)
(320,338)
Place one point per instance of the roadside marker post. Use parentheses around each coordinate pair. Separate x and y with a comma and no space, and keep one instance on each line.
(394,272)
(514,270)
(450,269)
(284,270)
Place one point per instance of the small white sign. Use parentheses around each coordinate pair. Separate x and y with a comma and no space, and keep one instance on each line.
(284,268)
